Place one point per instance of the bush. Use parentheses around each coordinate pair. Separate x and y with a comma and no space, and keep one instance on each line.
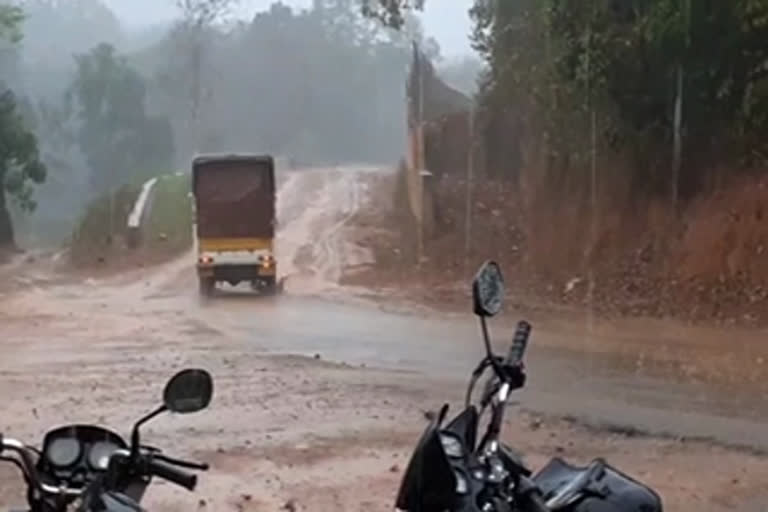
(103,227)
(166,228)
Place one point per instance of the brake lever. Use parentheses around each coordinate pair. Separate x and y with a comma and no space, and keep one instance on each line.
(150,449)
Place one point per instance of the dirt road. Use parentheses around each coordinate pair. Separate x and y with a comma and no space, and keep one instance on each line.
(320,393)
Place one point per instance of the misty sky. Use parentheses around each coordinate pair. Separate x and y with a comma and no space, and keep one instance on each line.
(445,20)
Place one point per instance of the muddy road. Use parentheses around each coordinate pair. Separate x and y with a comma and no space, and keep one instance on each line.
(320,392)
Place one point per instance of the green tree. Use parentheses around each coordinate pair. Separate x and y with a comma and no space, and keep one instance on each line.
(275,84)
(20,164)
(393,13)
(672,70)
(660,75)
(10,58)
(120,141)
(197,20)
(11,17)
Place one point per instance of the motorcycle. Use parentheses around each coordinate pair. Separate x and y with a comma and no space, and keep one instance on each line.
(451,471)
(90,468)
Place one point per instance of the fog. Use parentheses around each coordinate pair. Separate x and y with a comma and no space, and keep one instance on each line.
(448,21)
(120,90)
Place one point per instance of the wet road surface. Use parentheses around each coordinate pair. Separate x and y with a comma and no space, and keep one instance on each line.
(149,321)
(561,381)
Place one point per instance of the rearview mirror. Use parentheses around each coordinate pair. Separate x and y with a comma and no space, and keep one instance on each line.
(188,391)
(488,290)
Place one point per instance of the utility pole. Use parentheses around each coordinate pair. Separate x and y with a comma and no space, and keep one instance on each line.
(593,181)
(470,178)
(677,144)
(420,160)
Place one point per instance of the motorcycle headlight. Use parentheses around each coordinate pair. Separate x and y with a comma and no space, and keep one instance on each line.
(452,445)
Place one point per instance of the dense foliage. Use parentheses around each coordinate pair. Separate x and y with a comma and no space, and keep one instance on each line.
(659,79)
(121,142)
(322,84)
(392,13)
(647,69)
(20,164)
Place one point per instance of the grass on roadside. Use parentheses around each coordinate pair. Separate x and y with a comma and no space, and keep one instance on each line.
(103,226)
(169,224)
(102,236)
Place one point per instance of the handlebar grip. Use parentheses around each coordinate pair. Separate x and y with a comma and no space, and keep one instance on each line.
(200,466)
(168,472)
(519,343)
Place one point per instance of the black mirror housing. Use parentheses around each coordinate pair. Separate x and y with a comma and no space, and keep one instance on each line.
(488,290)
(188,391)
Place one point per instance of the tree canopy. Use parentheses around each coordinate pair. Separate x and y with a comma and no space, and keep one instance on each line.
(653,72)
(11,17)
(323,83)
(20,164)
(393,13)
(121,142)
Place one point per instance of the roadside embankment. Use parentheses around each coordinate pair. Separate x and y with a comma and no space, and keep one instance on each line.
(105,238)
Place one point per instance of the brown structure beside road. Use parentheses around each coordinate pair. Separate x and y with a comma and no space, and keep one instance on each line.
(438,140)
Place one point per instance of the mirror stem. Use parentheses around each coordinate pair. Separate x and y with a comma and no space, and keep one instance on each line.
(135,440)
(487,341)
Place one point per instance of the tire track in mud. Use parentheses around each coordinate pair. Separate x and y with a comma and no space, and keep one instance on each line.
(331,258)
(318,205)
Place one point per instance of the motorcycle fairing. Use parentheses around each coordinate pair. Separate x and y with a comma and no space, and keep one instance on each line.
(429,482)
(464,425)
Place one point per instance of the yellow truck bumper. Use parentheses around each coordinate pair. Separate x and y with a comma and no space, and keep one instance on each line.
(265,269)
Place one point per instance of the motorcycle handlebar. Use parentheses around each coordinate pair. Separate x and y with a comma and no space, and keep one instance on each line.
(162,466)
(519,344)
(200,466)
(158,465)
(166,471)
(6,443)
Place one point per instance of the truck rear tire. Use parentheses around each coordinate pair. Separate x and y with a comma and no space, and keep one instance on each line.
(264,286)
(207,284)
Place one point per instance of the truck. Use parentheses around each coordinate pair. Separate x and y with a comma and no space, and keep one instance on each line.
(234,201)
